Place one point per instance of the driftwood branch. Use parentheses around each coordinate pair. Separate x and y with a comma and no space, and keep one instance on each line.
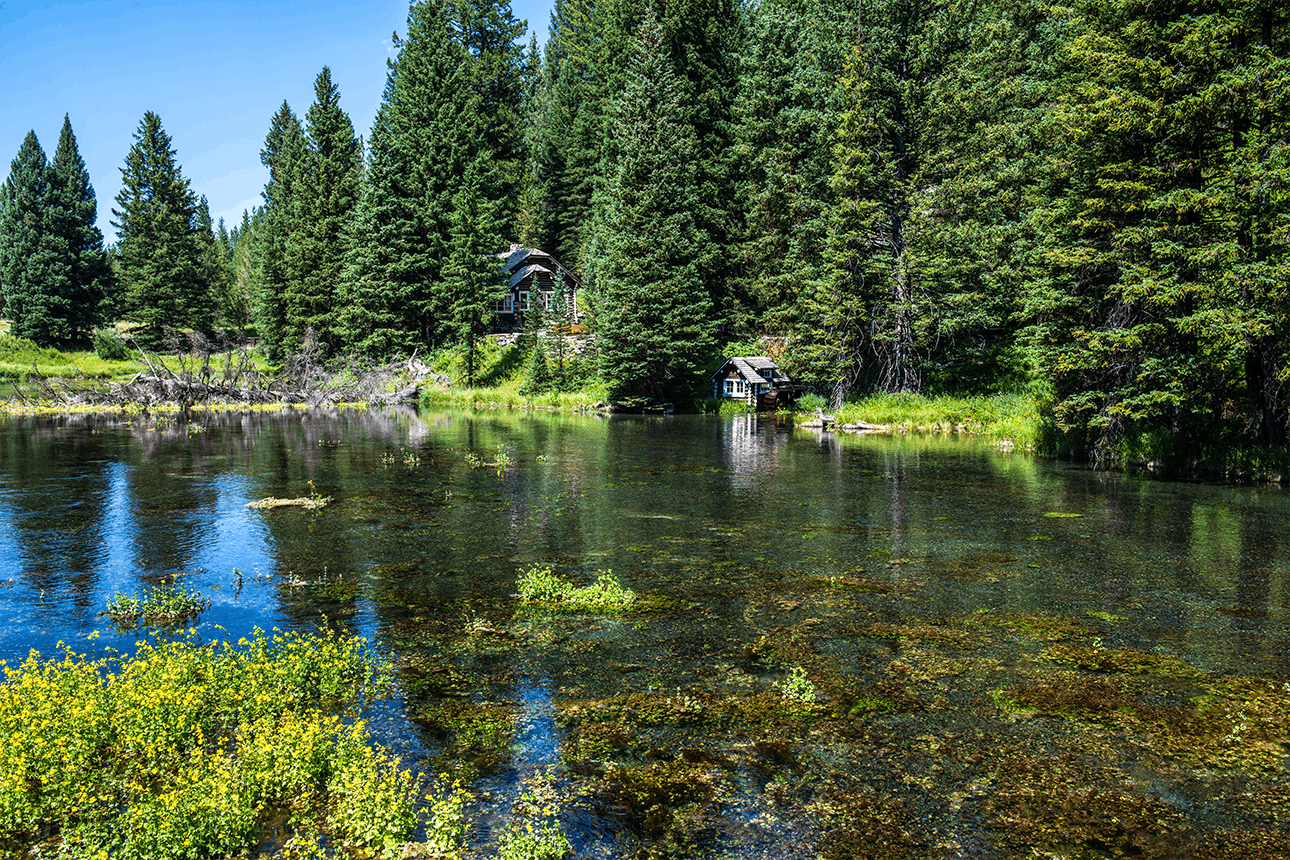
(222,371)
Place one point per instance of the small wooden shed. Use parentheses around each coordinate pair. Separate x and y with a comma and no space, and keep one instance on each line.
(755,380)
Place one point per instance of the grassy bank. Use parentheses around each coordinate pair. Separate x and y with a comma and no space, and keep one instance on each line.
(1002,418)
(19,356)
(503,380)
(509,396)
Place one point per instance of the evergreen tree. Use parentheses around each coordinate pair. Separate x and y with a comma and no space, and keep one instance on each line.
(489,32)
(80,278)
(420,146)
(26,262)
(284,155)
(213,259)
(472,274)
(237,304)
(533,218)
(1172,231)
(324,194)
(788,106)
(568,162)
(655,325)
(160,248)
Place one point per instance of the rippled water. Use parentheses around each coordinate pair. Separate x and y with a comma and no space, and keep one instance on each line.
(1012,657)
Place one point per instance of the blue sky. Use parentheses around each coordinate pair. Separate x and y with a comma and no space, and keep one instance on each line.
(214,72)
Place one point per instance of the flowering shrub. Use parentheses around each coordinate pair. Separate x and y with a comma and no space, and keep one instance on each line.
(185,750)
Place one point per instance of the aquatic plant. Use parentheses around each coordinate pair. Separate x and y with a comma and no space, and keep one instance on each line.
(313,501)
(540,585)
(797,687)
(528,841)
(159,604)
(186,749)
(446,827)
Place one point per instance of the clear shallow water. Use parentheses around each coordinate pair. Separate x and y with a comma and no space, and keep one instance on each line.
(958,636)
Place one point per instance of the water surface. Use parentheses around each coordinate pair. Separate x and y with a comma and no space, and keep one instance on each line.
(1011,657)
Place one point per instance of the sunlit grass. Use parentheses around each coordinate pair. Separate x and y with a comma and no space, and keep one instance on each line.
(1012,418)
(18,357)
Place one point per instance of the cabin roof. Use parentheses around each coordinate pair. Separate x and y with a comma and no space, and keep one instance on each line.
(521,263)
(749,367)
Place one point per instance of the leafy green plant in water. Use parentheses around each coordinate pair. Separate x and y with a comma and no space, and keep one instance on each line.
(446,829)
(533,842)
(161,604)
(797,687)
(542,586)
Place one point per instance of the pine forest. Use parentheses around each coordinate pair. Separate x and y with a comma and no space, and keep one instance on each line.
(1083,201)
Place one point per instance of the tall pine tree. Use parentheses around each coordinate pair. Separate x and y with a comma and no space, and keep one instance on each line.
(393,298)
(472,276)
(284,155)
(655,323)
(80,276)
(324,193)
(160,252)
(788,106)
(1172,231)
(25,260)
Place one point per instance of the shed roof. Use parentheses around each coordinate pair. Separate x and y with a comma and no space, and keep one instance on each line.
(750,367)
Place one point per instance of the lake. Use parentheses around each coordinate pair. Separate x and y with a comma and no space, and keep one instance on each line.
(1003,656)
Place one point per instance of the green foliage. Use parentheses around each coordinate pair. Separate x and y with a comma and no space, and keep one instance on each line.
(543,587)
(656,326)
(421,145)
(187,750)
(788,109)
(160,604)
(797,687)
(472,277)
(160,259)
(264,262)
(53,270)
(1172,228)
(527,841)
(446,829)
(811,402)
(26,260)
(323,193)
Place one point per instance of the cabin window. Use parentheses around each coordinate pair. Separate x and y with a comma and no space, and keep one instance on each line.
(524,300)
(768,373)
(730,387)
(504,306)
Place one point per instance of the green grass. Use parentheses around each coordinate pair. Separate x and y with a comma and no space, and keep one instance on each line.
(1011,417)
(501,377)
(18,355)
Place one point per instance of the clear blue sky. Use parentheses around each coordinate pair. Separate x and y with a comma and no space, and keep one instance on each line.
(214,72)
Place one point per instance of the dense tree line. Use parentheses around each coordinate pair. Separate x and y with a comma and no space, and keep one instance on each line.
(1088,200)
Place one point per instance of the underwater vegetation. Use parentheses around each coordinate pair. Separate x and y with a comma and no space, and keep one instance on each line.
(829,717)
